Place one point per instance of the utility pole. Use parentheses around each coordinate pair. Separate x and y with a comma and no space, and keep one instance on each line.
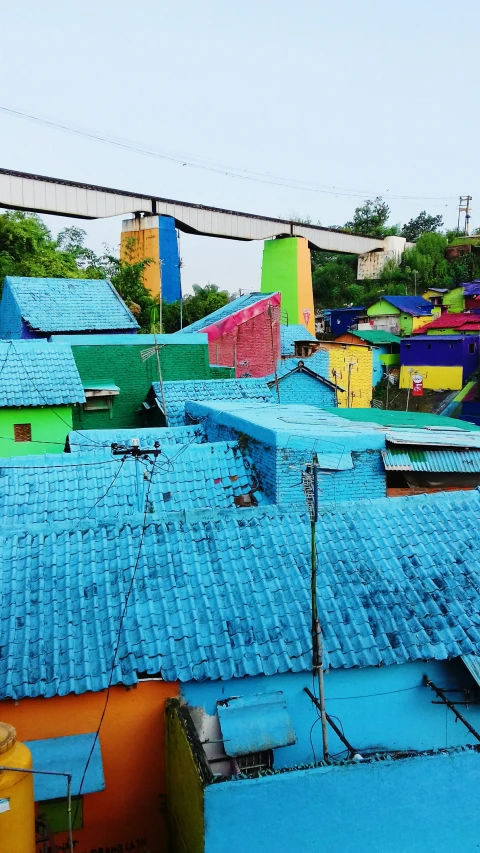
(310,485)
(464,207)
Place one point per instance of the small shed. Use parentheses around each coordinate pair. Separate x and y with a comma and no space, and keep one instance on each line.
(300,383)
(339,320)
(296,340)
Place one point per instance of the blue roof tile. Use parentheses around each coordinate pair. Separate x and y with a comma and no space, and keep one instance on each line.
(69,487)
(52,305)
(228,595)
(290,334)
(239,304)
(178,392)
(91,440)
(416,305)
(34,373)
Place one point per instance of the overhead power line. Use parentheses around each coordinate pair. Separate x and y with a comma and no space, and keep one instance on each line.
(206,164)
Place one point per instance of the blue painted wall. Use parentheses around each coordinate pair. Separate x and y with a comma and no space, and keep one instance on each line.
(385,707)
(435,351)
(427,804)
(170,260)
(341,319)
(11,325)
(378,369)
(300,387)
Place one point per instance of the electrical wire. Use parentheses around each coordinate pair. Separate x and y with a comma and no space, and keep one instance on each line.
(195,162)
(117,644)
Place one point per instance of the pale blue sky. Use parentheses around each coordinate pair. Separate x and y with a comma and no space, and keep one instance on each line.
(374,97)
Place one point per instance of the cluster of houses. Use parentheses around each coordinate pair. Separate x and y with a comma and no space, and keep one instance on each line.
(160,532)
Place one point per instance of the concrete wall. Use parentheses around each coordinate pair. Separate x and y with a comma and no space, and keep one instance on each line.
(132,806)
(50,427)
(184,789)
(286,268)
(426,803)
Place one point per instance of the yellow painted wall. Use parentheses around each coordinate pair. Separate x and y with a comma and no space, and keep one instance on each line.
(136,246)
(434,378)
(418,322)
(184,789)
(305,288)
(360,377)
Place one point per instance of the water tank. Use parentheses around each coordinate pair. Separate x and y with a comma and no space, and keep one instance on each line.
(17,813)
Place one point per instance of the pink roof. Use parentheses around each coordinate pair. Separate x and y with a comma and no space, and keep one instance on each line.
(460,322)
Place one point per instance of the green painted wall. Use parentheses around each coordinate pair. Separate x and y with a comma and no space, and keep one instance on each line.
(220,372)
(49,424)
(454,300)
(123,366)
(184,788)
(280,273)
(381,307)
(449,331)
(406,325)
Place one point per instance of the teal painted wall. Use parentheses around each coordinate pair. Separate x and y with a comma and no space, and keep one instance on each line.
(50,427)
(123,366)
(425,803)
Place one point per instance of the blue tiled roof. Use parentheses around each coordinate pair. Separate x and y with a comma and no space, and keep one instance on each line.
(226,311)
(416,305)
(290,334)
(69,304)
(228,595)
(178,392)
(89,440)
(66,487)
(34,373)
(317,364)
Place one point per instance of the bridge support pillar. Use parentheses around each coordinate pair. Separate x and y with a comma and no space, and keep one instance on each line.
(154,237)
(286,268)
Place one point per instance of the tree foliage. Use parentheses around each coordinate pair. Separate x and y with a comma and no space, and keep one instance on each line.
(203,301)
(371,219)
(27,248)
(421,224)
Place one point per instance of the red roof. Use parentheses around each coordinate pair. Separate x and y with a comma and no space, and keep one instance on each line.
(460,322)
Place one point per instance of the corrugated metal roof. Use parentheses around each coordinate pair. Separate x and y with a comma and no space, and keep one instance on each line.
(91,440)
(416,305)
(178,392)
(35,373)
(432,437)
(451,321)
(376,337)
(434,461)
(61,487)
(290,334)
(232,307)
(471,288)
(69,304)
(228,595)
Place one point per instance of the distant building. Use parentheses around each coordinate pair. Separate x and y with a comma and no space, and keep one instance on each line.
(462,298)
(385,349)
(444,362)
(340,320)
(243,335)
(116,379)
(453,324)
(40,307)
(400,315)
(40,387)
(435,295)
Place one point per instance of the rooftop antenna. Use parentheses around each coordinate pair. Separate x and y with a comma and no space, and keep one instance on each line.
(155,350)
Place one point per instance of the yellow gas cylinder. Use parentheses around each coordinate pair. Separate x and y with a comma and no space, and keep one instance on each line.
(17,812)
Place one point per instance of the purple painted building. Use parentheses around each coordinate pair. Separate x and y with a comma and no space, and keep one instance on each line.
(445,362)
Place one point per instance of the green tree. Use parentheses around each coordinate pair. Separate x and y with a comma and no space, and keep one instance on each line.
(195,306)
(27,248)
(371,219)
(421,224)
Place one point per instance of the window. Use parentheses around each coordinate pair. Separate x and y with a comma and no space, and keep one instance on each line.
(429,346)
(22,432)
(252,763)
(471,348)
(99,397)
(53,814)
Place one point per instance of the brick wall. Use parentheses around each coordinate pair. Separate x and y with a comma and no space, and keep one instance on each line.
(253,340)
(300,387)
(123,366)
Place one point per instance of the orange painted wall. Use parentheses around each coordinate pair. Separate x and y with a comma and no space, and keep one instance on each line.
(305,287)
(130,813)
(137,246)
(347,338)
